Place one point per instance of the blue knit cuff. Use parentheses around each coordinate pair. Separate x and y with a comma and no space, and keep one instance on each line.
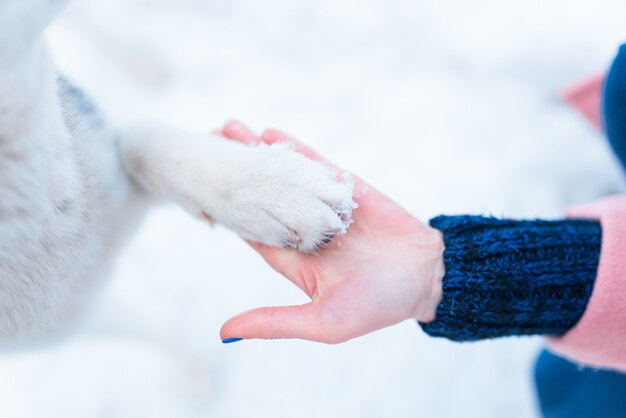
(505,277)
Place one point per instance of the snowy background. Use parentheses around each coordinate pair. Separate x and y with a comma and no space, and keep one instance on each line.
(447,106)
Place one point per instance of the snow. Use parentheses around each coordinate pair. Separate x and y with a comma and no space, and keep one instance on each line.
(449,107)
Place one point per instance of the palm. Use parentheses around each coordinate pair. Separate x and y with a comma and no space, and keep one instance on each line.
(374,276)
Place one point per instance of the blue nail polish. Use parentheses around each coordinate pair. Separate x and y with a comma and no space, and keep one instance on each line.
(231,340)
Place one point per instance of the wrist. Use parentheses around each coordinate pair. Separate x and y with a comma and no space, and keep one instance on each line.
(432,270)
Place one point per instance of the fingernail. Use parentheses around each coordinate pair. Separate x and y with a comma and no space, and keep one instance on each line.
(231,340)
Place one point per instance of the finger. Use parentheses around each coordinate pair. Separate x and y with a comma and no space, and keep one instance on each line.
(272,136)
(299,321)
(239,132)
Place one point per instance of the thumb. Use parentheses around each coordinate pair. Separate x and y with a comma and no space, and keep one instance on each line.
(298,321)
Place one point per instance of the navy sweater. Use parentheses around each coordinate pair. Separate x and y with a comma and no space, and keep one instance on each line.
(506,277)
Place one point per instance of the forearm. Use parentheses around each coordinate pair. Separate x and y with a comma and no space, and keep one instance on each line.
(506,277)
(172,164)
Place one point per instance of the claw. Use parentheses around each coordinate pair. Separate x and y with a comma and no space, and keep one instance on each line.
(327,238)
(292,240)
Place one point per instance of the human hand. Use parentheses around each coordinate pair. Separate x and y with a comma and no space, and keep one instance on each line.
(387,268)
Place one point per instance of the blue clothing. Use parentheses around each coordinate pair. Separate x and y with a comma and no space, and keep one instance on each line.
(564,389)
(567,390)
(614,105)
(505,277)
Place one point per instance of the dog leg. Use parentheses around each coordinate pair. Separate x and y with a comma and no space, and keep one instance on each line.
(61,195)
(268,194)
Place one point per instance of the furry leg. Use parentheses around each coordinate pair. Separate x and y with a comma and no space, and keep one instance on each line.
(62,185)
(268,194)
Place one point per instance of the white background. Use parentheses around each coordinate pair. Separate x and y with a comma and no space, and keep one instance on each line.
(447,106)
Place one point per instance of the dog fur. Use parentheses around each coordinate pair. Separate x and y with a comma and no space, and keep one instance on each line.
(72,187)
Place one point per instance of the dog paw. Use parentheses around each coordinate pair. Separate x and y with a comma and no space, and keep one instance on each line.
(281,198)
(265,193)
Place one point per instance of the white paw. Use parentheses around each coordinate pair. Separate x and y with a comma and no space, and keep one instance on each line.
(281,198)
(269,194)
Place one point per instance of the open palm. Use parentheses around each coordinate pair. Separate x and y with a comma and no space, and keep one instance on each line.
(386,269)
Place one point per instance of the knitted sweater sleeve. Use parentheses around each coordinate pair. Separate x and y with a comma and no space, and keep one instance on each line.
(505,277)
